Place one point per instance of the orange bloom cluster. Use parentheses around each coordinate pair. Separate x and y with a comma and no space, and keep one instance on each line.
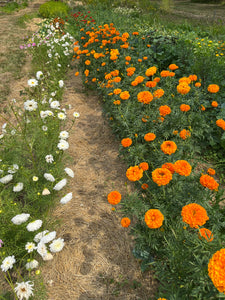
(194,215)
(214,104)
(137,80)
(144,186)
(117,91)
(211,171)
(183,88)
(213,88)
(151,71)
(114,54)
(182,167)
(169,166)
(206,234)
(145,97)
(185,107)
(149,137)
(116,102)
(125,95)
(209,182)
(173,67)
(198,84)
(144,166)
(125,222)
(154,218)
(184,134)
(165,73)
(130,71)
(221,123)
(193,77)
(161,176)
(158,93)
(134,173)
(164,110)
(114,197)
(150,84)
(162,299)
(126,142)
(216,267)
(168,147)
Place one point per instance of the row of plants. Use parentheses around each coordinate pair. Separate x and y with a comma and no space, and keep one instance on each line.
(167,118)
(34,169)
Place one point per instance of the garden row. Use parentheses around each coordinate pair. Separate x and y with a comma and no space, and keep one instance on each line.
(34,170)
(167,120)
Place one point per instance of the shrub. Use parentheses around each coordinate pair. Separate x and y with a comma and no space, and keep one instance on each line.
(53,9)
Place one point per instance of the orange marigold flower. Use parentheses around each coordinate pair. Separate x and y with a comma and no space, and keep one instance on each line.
(184,134)
(164,110)
(211,171)
(145,97)
(117,91)
(221,123)
(216,270)
(202,107)
(182,167)
(156,79)
(186,80)
(125,222)
(126,142)
(150,71)
(185,107)
(194,215)
(114,197)
(169,166)
(169,147)
(103,64)
(134,173)
(128,58)
(144,186)
(206,233)
(130,71)
(125,95)
(183,88)
(193,77)
(144,166)
(135,33)
(162,299)
(175,132)
(173,67)
(213,88)
(149,137)
(116,102)
(150,84)
(154,218)
(214,104)
(117,79)
(158,93)
(198,84)
(209,182)
(87,62)
(165,73)
(76,74)
(161,176)
(86,73)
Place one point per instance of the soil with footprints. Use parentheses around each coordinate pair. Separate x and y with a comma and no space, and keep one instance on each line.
(97,260)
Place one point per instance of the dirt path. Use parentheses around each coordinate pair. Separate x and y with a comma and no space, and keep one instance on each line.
(96,262)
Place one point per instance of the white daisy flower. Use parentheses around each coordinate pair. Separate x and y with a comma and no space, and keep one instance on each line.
(19,219)
(30,247)
(49,177)
(44,128)
(42,249)
(40,235)
(33,264)
(35,225)
(61,83)
(76,114)
(48,237)
(43,114)
(35,178)
(59,65)
(45,192)
(18,187)
(61,116)
(49,113)
(63,145)
(66,198)
(30,105)
(64,135)
(39,75)
(60,184)
(8,263)
(55,104)
(69,172)
(56,245)
(24,290)
(6,178)
(53,94)
(32,82)
(49,158)
(13,169)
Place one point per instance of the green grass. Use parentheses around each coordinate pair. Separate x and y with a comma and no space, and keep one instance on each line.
(13,6)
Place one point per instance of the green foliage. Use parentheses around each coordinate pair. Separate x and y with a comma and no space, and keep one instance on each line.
(53,9)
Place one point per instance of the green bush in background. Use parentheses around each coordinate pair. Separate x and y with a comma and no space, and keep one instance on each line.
(53,9)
